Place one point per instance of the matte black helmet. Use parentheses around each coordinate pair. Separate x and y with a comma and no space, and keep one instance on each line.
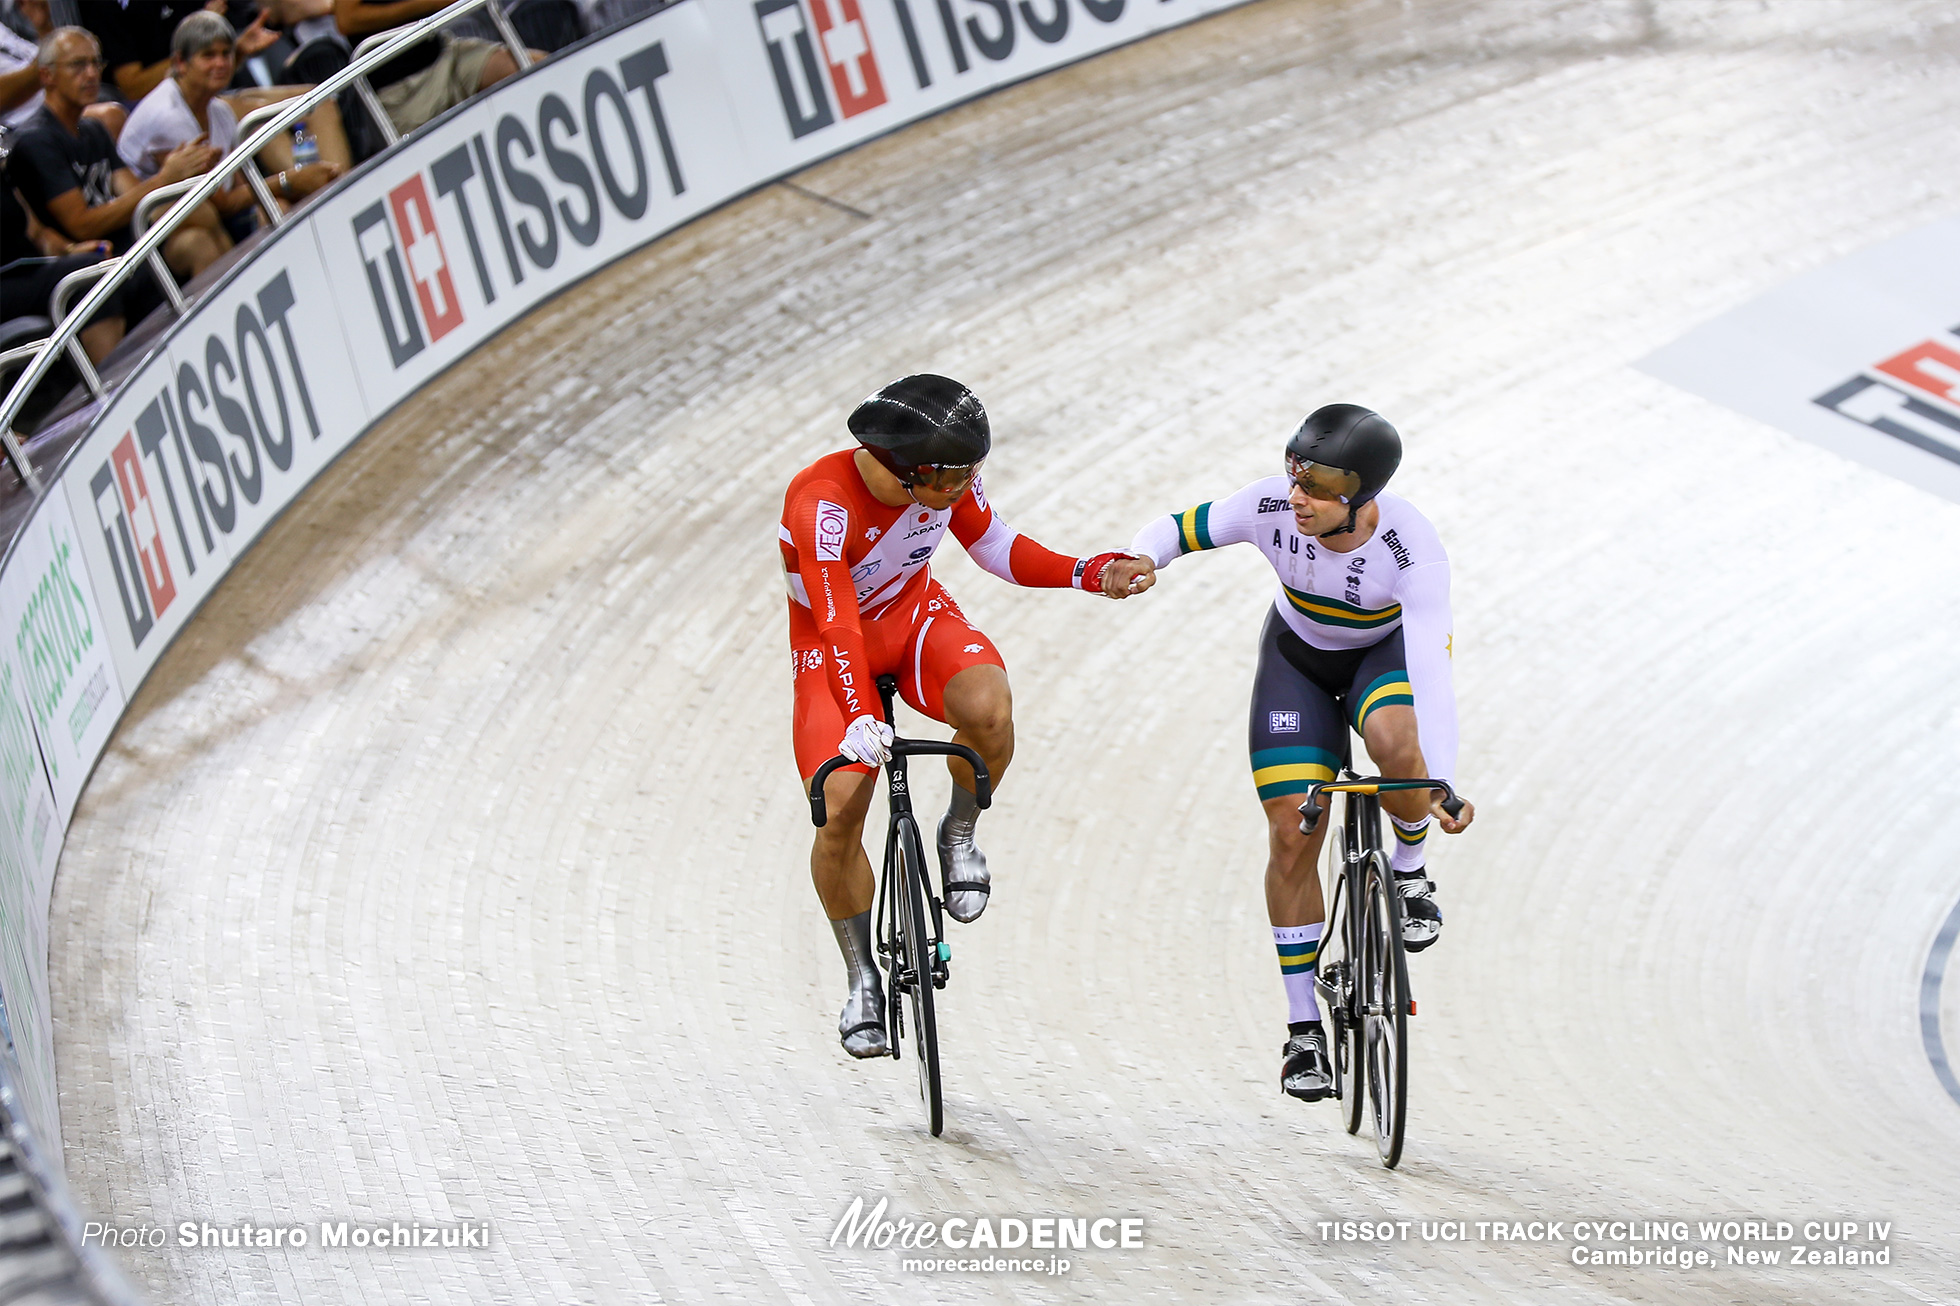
(921,423)
(1355,443)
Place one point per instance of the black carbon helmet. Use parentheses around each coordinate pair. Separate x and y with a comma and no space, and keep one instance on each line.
(1354,439)
(922,421)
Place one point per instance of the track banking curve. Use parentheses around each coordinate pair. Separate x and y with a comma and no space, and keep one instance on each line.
(451,864)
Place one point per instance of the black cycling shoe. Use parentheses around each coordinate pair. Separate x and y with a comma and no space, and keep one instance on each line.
(1306,1072)
(1422,918)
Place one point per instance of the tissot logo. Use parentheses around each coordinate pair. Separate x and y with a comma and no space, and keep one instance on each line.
(134,536)
(1926,415)
(411,238)
(209,440)
(490,197)
(836,48)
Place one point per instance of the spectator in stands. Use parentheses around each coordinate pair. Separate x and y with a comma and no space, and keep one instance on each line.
(186,106)
(28,277)
(136,37)
(20,83)
(64,164)
(306,22)
(430,76)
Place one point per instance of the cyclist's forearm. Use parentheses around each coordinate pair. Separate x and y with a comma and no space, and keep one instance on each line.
(1159,541)
(1019,560)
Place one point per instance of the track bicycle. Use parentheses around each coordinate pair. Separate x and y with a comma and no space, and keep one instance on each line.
(1365,985)
(911,940)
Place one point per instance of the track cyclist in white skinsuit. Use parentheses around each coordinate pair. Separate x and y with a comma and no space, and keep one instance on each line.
(1359,635)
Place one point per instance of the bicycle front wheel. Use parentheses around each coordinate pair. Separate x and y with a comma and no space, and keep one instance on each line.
(1334,981)
(1385,1007)
(919,951)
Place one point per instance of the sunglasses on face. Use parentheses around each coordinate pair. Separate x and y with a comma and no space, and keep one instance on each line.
(1319,481)
(942,479)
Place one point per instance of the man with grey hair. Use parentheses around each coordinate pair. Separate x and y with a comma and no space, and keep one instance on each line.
(65,165)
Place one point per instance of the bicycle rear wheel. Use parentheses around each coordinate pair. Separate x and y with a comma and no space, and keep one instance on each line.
(1385,1003)
(918,951)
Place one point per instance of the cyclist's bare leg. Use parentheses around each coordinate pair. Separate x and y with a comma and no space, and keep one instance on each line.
(980,708)
(1390,733)
(1292,865)
(837,862)
(842,874)
(1293,901)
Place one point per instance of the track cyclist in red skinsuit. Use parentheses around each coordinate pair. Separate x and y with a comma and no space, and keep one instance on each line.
(858,532)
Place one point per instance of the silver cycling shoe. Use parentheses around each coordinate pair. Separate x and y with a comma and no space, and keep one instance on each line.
(962,870)
(862,1026)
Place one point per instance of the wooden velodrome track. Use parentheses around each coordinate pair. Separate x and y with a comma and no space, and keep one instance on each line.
(452,864)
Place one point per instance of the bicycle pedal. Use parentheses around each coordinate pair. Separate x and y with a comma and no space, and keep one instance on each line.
(945,951)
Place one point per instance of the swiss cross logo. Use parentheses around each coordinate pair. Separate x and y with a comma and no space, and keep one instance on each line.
(847,50)
(1913,396)
(407,270)
(804,55)
(832,522)
(133,536)
(428,265)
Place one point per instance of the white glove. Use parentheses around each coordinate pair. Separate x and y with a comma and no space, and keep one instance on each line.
(867,740)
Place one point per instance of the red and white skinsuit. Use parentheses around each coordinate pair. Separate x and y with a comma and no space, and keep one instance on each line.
(863,603)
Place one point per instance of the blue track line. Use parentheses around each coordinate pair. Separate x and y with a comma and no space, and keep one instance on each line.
(1929,1002)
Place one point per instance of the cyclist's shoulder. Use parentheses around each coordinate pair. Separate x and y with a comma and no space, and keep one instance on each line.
(834,477)
(1408,536)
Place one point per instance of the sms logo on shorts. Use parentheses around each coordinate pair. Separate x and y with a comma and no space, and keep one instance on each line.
(832,522)
(1283,723)
(840,35)
(411,238)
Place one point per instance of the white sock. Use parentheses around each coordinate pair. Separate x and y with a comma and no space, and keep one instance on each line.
(1298,946)
(1409,837)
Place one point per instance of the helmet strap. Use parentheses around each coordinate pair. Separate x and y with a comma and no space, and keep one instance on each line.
(1348,529)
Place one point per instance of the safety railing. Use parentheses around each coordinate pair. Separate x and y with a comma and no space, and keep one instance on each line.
(148,247)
